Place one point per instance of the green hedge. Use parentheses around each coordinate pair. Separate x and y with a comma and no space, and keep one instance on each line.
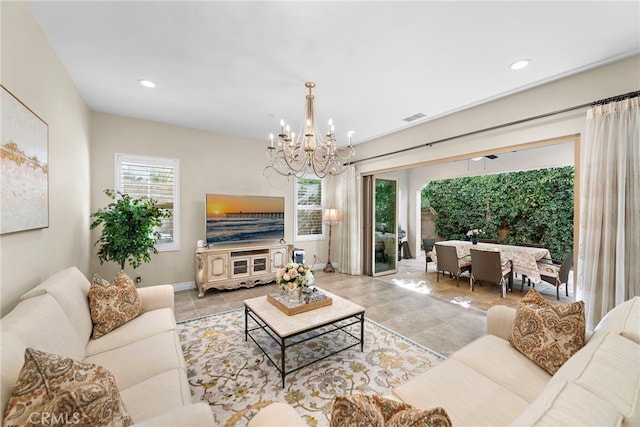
(532,206)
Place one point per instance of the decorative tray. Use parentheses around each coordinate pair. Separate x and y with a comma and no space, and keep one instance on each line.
(316,299)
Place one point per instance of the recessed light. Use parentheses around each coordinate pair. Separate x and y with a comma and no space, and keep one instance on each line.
(147,83)
(520,64)
(476,159)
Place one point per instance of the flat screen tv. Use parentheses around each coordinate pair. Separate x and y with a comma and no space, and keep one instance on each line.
(232,218)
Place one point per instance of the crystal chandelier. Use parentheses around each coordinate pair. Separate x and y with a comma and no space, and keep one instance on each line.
(308,152)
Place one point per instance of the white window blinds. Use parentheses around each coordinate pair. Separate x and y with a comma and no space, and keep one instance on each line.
(156,178)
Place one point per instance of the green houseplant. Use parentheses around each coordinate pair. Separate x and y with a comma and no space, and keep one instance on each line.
(128,229)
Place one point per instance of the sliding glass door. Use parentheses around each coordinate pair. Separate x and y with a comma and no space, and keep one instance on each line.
(381,228)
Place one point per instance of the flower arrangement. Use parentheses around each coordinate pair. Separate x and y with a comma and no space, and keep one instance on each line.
(475,232)
(294,275)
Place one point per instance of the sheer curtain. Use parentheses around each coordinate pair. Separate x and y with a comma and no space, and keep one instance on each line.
(349,262)
(609,243)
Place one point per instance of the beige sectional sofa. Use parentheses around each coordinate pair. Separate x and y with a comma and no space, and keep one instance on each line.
(490,383)
(144,355)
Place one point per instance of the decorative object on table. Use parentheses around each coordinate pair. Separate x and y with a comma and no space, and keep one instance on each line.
(474,235)
(293,278)
(24,168)
(309,152)
(133,243)
(310,300)
(241,389)
(330,217)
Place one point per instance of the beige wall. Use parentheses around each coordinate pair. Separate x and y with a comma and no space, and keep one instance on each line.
(31,70)
(209,163)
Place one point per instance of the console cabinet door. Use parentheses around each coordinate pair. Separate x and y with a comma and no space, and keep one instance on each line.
(279,257)
(217,267)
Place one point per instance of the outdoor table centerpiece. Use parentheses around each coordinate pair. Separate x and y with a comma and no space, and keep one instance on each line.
(293,278)
(474,235)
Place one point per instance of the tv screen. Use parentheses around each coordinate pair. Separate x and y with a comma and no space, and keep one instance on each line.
(232,218)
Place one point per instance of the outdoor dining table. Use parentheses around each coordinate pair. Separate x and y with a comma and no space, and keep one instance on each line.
(524,259)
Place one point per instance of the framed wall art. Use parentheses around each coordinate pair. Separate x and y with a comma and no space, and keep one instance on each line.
(24,167)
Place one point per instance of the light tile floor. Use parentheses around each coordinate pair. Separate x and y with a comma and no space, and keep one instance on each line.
(436,314)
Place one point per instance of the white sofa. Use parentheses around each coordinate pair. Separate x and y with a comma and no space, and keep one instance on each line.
(490,383)
(144,355)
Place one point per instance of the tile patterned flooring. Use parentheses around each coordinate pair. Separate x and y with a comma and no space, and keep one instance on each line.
(412,302)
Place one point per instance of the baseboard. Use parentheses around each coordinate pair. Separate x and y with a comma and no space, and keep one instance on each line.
(185,286)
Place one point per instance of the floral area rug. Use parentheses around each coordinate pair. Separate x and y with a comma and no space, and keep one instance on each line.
(237,379)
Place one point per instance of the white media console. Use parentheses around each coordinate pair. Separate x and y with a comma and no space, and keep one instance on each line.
(231,266)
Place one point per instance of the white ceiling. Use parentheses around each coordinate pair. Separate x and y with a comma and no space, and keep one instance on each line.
(239,67)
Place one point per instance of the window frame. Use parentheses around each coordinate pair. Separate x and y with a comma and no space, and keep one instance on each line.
(120,158)
(321,208)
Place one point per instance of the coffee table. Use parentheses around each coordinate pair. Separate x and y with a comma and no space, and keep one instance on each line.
(288,331)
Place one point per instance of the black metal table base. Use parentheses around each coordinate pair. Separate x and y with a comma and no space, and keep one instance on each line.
(289,341)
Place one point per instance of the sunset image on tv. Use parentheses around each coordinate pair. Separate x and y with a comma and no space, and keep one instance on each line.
(232,218)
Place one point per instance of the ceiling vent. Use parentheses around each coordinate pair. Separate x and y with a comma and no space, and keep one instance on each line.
(414,117)
(491,156)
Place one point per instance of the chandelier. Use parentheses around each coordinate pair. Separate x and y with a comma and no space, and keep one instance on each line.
(308,152)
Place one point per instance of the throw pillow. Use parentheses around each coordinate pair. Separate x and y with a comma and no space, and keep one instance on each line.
(56,390)
(548,334)
(112,304)
(362,410)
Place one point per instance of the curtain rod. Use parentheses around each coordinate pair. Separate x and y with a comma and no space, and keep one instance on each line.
(500,126)
(617,98)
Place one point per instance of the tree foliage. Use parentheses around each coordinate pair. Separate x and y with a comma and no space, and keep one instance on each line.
(531,206)
(128,229)
(386,205)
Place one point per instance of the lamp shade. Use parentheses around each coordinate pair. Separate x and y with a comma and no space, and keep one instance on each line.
(331,215)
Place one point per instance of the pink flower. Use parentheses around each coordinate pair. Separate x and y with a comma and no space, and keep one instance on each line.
(293,273)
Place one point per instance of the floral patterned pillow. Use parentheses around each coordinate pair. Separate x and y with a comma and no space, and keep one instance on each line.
(56,390)
(362,410)
(548,334)
(112,305)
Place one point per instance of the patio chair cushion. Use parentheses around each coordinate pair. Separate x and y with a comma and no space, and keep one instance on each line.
(548,335)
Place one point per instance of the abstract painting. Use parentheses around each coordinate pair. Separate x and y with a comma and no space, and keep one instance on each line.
(24,167)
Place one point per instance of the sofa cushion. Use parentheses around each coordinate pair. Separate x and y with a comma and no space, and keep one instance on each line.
(567,404)
(112,304)
(548,334)
(69,287)
(42,324)
(623,319)
(496,359)
(12,349)
(469,397)
(361,410)
(142,359)
(612,373)
(58,386)
(164,392)
(147,324)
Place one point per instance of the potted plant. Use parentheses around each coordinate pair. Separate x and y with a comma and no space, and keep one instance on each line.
(128,229)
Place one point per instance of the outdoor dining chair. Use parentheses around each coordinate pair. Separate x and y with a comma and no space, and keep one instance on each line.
(428,247)
(447,260)
(557,274)
(488,267)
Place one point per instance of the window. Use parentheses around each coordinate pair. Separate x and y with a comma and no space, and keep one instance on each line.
(309,196)
(156,178)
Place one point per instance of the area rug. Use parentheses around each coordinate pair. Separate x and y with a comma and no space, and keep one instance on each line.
(236,379)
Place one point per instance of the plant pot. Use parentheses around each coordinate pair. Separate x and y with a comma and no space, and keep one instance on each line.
(474,240)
